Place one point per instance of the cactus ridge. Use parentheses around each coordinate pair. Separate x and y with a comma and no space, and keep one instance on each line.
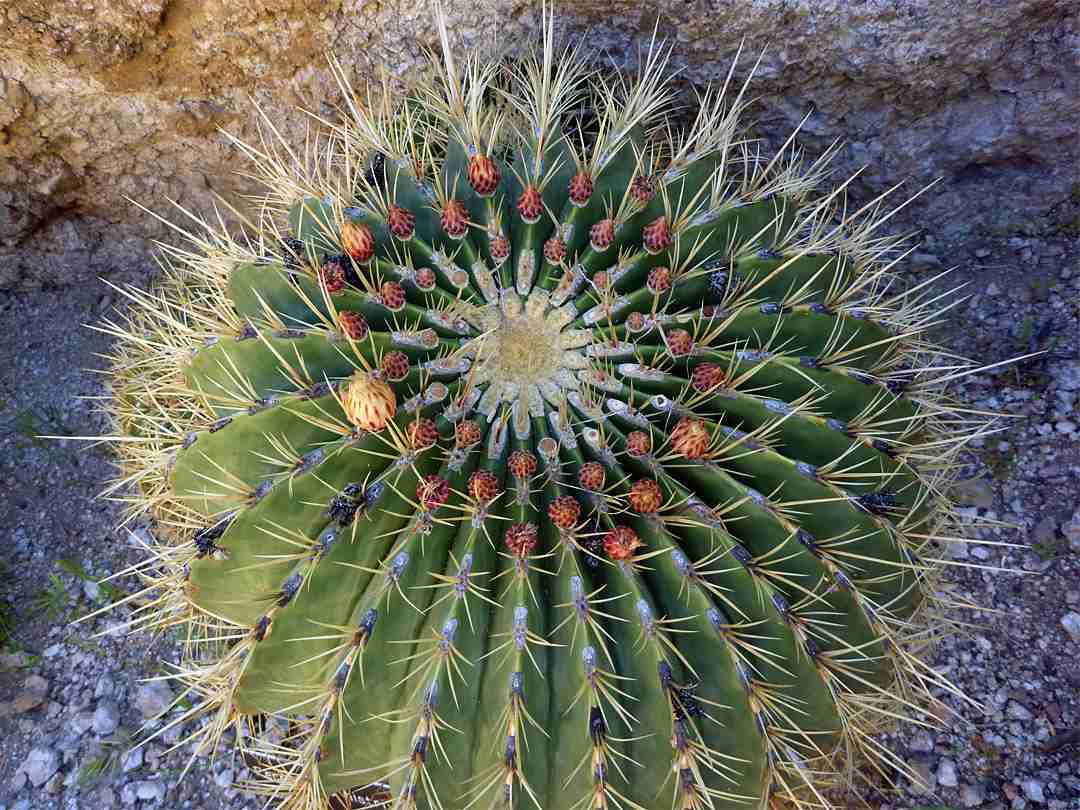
(512,459)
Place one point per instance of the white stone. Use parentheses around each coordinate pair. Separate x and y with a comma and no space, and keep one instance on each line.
(946,773)
(1017,711)
(82,722)
(1071,622)
(1033,789)
(153,698)
(40,765)
(133,760)
(150,790)
(106,718)
(224,778)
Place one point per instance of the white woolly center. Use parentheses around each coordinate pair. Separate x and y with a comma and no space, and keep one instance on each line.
(526,354)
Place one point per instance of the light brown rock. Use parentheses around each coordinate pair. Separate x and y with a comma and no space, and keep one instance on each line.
(116,99)
(32,694)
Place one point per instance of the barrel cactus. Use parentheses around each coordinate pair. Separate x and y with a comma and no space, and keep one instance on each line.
(528,450)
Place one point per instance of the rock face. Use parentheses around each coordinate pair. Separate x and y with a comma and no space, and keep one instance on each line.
(118,99)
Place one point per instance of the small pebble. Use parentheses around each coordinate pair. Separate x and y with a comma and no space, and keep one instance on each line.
(40,765)
(150,789)
(946,773)
(1071,622)
(153,698)
(1033,789)
(32,694)
(971,795)
(106,718)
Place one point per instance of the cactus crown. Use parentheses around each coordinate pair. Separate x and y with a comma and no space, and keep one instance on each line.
(517,456)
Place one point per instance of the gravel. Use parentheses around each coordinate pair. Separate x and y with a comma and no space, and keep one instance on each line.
(1019,746)
(72,696)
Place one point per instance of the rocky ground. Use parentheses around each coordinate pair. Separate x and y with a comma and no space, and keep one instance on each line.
(72,695)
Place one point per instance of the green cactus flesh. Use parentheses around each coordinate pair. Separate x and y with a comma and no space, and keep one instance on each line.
(637,516)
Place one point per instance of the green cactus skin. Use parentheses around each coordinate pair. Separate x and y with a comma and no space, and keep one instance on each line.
(750,425)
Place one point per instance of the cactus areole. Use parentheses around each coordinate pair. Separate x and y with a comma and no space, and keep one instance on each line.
(530,452)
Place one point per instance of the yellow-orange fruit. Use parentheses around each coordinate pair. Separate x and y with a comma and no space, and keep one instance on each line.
(369,402)
(358,241)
